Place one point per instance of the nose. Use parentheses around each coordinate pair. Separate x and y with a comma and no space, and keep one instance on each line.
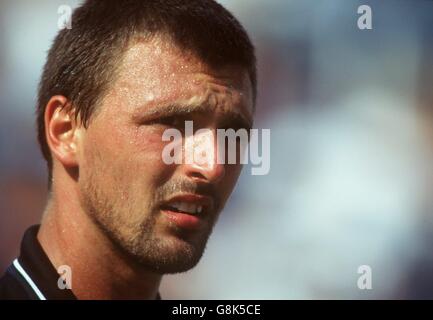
(201,157)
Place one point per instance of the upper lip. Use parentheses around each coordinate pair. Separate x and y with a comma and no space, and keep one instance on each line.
(206,202)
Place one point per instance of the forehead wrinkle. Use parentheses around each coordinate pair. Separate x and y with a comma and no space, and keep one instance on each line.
(179,79)
(220,98)
(187,107)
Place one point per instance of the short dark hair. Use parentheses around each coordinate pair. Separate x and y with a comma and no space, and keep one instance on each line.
(83,60)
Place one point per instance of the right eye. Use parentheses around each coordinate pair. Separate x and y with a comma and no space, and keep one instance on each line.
(170,122)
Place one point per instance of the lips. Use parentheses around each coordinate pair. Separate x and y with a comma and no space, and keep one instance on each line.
(188,211)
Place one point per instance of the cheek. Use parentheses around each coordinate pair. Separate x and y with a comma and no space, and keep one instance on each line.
(146,150)
(146,142)
(122,154)
(125,146)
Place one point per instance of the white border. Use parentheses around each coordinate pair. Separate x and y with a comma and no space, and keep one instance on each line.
(29,280)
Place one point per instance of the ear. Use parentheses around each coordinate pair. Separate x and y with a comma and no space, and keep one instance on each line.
(62,131)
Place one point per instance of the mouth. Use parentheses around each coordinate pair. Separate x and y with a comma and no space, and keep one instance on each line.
(184,207)
(188,211)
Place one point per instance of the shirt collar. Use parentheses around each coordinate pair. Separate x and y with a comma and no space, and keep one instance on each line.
(36,268)
(38,271)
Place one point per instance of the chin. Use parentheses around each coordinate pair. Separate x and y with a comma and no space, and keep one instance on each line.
(170,256)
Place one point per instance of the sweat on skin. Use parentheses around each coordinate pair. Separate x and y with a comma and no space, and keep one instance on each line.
(110,184)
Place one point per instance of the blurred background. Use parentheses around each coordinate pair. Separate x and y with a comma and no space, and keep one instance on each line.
(351,146)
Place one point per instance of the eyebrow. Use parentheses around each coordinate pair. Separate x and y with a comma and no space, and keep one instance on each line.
(183,110)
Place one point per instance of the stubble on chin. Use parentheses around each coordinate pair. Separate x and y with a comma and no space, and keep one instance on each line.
(143,242)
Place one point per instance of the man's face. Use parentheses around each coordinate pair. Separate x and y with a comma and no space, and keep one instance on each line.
(149,209)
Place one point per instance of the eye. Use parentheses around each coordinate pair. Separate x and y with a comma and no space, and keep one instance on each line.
(170,121)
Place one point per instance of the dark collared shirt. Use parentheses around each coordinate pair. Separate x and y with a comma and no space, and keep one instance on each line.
(32,276)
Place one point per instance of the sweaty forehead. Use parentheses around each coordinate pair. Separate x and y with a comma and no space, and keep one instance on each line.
(154,72)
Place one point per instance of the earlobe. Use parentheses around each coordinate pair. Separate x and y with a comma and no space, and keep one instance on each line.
(61,130)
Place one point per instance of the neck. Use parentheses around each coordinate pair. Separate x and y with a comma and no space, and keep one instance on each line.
(99,269)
